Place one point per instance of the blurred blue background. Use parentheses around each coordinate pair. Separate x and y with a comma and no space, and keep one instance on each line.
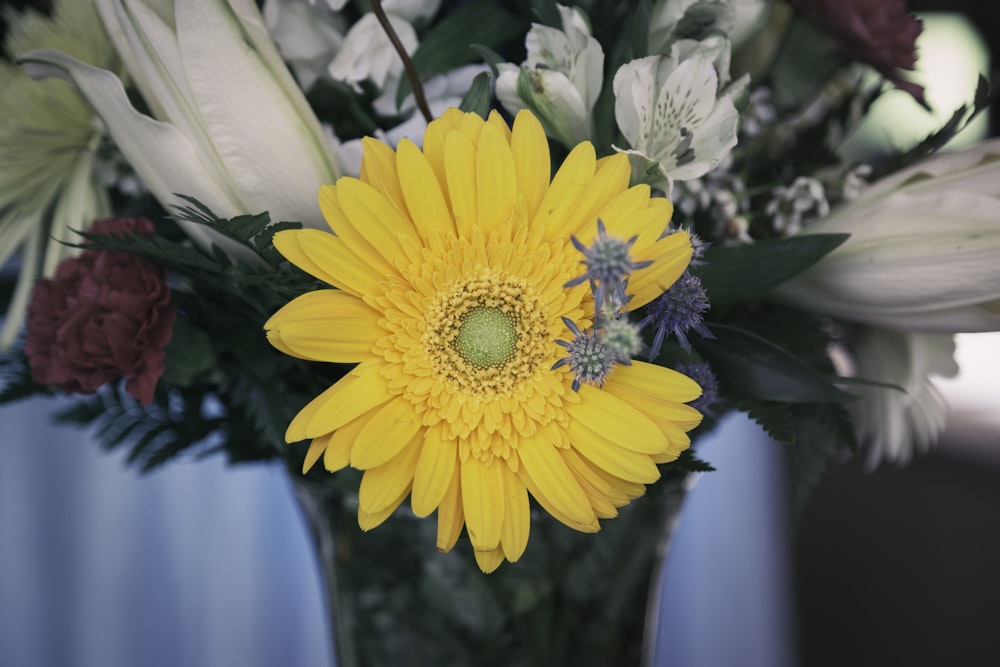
(200,565)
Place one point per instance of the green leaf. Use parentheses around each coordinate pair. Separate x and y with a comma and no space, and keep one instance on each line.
(751,367)
(447,44)
(477,100)
(733,274)
(823,433)
(189,354)
(776,419)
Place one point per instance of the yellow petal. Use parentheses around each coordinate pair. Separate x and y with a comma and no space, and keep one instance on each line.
(354,394)
(375,222)
(654,383)
(496,179)
(568,185)
(340,443)
(315,450)
(378,168)
(353,276)
(483,501)
(380,486)
(460,165)
(367,520)
(541,461)
(422,191)
(337,263)
(435,468)
(585,473)
(350,226)
(435,138)
(489,560)
(610,180)
(517,515)
(671,256)
(615,420)
(496,120)
(451,515)
(645,224)
(385,434)
(327,325)
(530,149)
(609,454)
(591,526)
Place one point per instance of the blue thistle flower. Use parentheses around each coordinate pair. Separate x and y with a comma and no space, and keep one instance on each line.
(588,356)
(623,339)
(678,310)
(608,265)
(702,373)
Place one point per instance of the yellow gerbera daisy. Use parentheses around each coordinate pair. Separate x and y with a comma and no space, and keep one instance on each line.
(450,268)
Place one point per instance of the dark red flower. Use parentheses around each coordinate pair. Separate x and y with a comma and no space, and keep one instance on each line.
(881,33)
(105,315)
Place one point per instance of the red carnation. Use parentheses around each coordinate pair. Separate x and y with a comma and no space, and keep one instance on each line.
(881,33)
(105,315)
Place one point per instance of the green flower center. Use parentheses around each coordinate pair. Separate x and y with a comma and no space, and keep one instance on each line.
(487,337)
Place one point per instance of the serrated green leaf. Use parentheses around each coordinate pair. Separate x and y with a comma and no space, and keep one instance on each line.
(777,419)
(823,432)
(477,100)
(751,367)
(734,274)
(447,44)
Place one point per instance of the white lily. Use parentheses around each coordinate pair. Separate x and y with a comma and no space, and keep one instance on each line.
(924,251)
(232,128)
(560,80)
(676,111)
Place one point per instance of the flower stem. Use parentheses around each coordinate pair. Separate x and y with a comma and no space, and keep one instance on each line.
(411,71)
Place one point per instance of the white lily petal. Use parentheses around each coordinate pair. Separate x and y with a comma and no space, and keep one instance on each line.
(927,262)
(252,22)
(237,97)
(152,44)
(972,170)
(167,160)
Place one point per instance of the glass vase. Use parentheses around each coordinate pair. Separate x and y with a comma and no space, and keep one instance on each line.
(572,599)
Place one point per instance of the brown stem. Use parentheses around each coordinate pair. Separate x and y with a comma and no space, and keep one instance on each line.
(411,71)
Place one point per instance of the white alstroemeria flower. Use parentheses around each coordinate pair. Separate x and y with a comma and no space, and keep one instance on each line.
(232,127)
(308,34)
(895,422)
(924,251)
(560,80)
(50,182)
(413,11)
(366,53)
(678,120)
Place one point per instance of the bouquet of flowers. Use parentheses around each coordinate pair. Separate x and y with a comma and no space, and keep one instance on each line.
(497,262)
